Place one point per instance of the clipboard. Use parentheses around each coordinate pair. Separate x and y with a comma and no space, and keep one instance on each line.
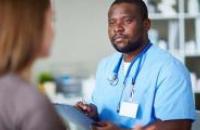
(70,113)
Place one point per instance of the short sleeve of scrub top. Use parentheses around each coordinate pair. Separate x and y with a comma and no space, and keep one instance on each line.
(173,98)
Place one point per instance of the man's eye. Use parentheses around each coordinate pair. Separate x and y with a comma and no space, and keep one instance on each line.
(111,22)
(128,20)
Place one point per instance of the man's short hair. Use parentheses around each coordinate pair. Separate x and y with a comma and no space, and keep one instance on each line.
(139,3)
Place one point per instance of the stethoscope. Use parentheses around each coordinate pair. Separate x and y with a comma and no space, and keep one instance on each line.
(113,78)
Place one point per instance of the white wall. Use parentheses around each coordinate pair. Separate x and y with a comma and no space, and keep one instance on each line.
(81,37)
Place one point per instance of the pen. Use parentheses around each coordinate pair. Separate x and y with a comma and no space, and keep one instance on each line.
(84,104)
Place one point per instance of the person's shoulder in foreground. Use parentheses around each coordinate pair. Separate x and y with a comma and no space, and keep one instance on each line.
(23,106)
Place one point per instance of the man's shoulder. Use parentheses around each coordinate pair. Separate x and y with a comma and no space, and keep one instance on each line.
(165,61)
(160,56)
(108,63)
(111,59)
(156,52)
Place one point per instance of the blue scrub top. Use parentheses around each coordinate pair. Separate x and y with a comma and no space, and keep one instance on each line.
(162,90)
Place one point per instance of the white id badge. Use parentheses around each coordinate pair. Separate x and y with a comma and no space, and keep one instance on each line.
(128,109)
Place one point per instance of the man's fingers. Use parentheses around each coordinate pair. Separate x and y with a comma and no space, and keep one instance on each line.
(138,127)
(99,126)
(83,107)
(79,105)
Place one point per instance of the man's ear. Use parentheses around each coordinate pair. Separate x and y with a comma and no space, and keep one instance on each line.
(147,24)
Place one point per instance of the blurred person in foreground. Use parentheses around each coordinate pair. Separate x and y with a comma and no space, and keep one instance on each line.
(26,34)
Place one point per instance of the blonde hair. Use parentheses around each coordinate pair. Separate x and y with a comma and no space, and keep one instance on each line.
(21,32)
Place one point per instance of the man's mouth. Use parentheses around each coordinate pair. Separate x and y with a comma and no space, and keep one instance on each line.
(119,38)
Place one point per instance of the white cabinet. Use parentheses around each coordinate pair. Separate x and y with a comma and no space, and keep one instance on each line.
(180,29)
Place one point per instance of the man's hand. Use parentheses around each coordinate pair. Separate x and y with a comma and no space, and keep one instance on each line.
(111,126)
(89,109)
(138,127)
(105,126)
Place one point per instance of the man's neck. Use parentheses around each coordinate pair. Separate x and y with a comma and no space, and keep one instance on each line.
(128,57)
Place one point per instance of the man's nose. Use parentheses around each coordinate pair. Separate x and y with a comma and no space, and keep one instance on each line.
(119,27)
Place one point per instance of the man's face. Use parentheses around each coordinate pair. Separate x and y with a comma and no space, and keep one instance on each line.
(126,28)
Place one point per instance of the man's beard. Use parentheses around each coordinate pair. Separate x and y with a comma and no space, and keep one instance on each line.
(130,47)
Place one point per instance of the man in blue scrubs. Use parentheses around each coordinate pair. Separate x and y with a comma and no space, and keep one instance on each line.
(141,84)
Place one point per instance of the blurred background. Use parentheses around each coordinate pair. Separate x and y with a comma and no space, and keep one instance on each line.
(81,41)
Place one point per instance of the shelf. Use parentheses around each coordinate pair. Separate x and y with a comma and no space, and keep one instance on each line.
(158,16)
(196,91)
(192,16)
(192,54)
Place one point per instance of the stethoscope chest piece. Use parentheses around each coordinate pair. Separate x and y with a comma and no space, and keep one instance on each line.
(113,79)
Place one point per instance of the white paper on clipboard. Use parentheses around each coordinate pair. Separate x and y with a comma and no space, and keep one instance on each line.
(70,113)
